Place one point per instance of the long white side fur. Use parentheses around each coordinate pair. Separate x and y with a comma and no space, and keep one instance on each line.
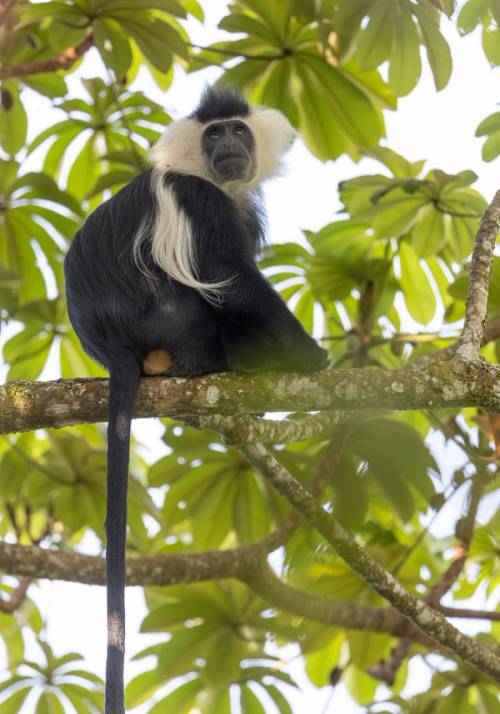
(179,150)
(172,241)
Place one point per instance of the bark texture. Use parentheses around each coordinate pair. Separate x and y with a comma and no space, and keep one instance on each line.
(34,405)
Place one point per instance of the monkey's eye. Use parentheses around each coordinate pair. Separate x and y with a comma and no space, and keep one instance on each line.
(213,134)
(239,129)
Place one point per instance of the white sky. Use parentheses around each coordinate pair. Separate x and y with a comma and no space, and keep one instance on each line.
(439,127)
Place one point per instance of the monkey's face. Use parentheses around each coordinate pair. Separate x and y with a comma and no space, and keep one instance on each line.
(229,148)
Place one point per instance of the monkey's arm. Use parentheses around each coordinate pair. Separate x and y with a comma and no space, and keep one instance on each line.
(251,303)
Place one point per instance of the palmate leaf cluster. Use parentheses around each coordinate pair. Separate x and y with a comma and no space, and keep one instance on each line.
(383,284)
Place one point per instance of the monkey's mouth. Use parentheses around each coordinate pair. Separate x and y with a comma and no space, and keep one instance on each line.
(231,167)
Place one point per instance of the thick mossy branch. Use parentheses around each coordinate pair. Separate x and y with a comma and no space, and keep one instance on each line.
(32,405)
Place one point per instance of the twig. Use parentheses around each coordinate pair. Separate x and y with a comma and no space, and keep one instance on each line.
(480,273)
(63,61)
(16,596)
(491,333)
(468,614)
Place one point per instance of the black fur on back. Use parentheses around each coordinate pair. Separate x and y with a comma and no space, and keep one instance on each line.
(220,103)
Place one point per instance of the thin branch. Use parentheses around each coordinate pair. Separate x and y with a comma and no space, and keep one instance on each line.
(64,61)
(36,405)
(480,273)
(386,670)
(283,431)
(431,622)
(468,614)
(464,536)
(16,596)
(491,333)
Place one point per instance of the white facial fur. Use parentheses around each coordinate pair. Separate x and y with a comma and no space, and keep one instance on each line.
(179,150)
(179,147)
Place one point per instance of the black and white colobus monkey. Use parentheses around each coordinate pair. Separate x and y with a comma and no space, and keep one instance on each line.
(161,279)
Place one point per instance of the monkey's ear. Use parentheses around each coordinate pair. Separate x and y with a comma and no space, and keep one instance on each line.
(274,135)
(179,148)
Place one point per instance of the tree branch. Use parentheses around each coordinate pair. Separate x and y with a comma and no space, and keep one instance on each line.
(480,273)
(340,613)
(170,569)
(431,622)
(246,564)
(33,405)
(284,431)
(491,333)
(386,670)
(468,614)
(63,61)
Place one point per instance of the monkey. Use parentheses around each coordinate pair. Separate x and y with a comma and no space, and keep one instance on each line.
(161,279)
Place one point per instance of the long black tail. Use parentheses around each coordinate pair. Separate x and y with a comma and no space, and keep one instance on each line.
(123,384)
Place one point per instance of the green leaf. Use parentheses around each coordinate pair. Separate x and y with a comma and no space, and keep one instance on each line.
(320,662)
(397,216)
(61,127)
(49,704)
(116,178)
(50,85)
(438,50)
(417,290)
(215,701)
(349,107)
(491,44)
(113,45)
(82,174)
(236,22)
(212,514)
(471,14)
(368,648)
(177,656)
(178,701)
(13,120)
(361,686)
(142,688)
(13,704)
(279,699)
(250,703)
(394,470)
(405,65)
(428,236)
(250,512)
(374,42)
(156,39)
